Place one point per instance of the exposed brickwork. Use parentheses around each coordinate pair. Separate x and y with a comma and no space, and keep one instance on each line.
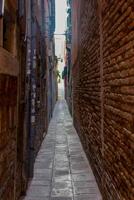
(103,93)
(118,57)
(23,90)
(12,143)
(8,124)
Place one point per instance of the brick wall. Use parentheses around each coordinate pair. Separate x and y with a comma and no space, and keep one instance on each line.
(13,177)
(23,107)
(8,123)
(103,93)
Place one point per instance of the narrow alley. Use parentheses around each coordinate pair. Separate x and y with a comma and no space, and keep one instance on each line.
(66,99)
(62,171)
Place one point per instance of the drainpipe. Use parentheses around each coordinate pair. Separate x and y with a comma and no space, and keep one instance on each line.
(42,38)
(33,88)
(28,85)
(43,61)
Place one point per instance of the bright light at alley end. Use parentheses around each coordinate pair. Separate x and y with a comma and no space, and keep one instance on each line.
(2,7)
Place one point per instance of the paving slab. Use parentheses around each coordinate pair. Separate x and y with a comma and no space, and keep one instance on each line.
(61,170)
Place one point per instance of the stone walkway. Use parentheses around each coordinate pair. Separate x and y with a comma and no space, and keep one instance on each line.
(61,169)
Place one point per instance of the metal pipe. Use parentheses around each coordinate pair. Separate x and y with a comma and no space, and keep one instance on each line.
(28,83)
(33,88)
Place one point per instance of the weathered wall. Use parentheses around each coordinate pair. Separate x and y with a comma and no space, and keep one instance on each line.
(8,124)
(9,69)
(118,65)
(75,14)
(103,93)
(13,177)
(23,91)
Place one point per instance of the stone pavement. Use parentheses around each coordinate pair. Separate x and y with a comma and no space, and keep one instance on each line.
(61,169)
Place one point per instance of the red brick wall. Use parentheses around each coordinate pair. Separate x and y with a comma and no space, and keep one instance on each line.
(75,21)
(8,124)
(103,93)
(13,177)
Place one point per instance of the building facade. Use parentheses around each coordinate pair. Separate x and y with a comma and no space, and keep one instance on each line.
(103,93)
(26,88)
(67,73)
